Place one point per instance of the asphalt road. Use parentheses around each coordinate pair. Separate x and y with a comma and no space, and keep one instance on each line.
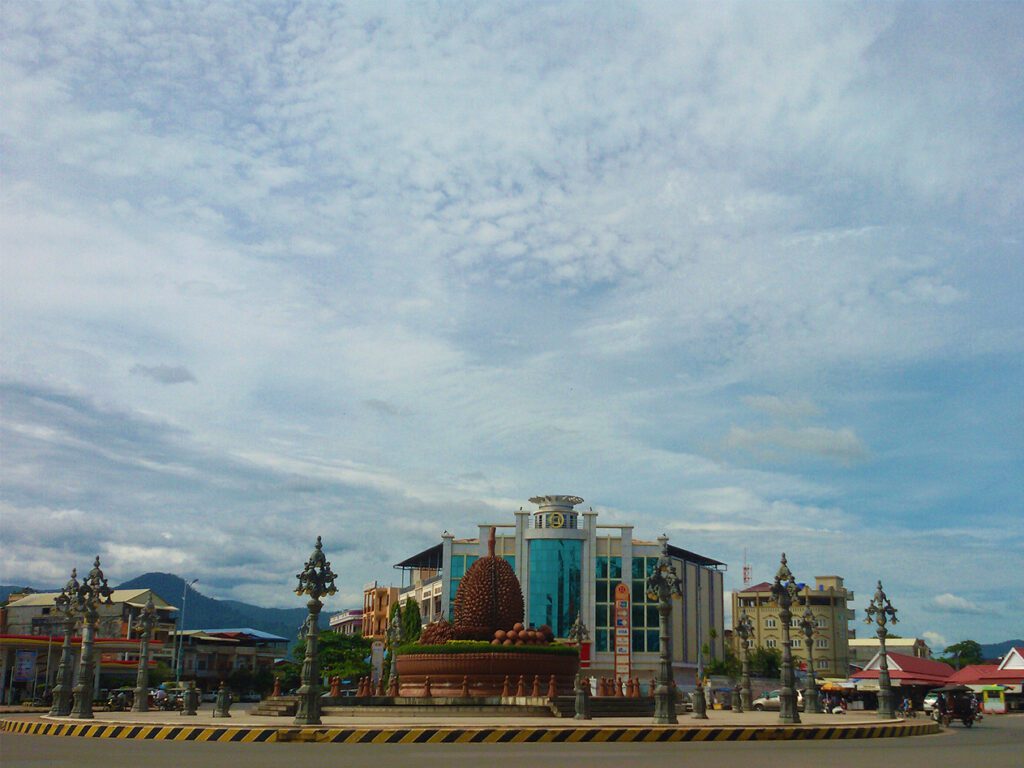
(998,742)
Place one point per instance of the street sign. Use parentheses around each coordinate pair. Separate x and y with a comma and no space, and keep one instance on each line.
(621,633)
(377,659)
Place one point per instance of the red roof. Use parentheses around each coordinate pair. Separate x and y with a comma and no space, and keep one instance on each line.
(911,670)
(764,586)
(973,674)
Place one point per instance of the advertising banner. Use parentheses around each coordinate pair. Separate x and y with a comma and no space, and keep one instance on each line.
(621,636)
(24,666)
(377,660)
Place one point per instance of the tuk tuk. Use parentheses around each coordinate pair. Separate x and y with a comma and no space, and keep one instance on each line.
(955,702)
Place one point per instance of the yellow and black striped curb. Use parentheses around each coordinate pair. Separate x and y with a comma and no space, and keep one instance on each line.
(512,735)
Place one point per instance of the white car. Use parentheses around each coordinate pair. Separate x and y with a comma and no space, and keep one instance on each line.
(770,701)
(929,701)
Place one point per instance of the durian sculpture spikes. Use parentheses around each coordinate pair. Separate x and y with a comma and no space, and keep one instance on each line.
(489,597)
(438,633)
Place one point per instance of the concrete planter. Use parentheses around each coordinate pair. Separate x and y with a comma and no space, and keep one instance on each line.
(486,672)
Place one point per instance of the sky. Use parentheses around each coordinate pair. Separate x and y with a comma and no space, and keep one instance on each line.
(746,274)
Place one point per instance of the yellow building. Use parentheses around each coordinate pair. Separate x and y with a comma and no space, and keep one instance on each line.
(829,601)
(377,602)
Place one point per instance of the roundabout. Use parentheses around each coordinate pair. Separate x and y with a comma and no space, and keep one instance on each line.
(385,729)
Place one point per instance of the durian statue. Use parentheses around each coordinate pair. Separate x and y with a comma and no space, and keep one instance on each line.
(489,597)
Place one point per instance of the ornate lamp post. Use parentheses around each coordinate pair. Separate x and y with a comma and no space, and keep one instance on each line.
(808,625)
(579,634)
(663,584)
(745,630)
(66,603)
(880,611)
(92,593)
(395,638)
(785,591)
(316,580)
(146,621)
(179,636)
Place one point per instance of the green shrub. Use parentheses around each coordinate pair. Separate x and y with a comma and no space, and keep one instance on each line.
(480,646)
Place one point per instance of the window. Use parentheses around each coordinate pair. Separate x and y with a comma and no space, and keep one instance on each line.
(769,623)
(821,643)
(554,583)
(645,610)
(821,622)
(797,643)
(460,564)
(609,574)
(794,622)
(769,643)
(822,663)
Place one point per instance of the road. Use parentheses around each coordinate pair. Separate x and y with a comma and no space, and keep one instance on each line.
(998,742)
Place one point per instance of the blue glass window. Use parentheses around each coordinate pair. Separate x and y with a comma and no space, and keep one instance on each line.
(555,583)
(602,639)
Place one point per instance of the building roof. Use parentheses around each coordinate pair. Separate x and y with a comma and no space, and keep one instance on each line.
(245,632)
(764,586)
(692,557)
(431,557)
(872,642)
(972,674)
(133,597)
(909,670)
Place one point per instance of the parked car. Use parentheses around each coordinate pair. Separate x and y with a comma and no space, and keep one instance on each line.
(929,701)
(770,701)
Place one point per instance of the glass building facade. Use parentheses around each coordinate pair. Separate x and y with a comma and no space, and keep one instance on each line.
(569,565)
(554,595)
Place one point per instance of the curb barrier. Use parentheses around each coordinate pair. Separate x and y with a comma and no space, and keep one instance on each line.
(480,735)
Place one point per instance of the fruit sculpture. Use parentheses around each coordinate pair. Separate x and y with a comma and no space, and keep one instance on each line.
(489,608)
(489,599)
(519,635)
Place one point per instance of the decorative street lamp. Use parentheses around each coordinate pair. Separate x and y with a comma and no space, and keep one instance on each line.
(808,625)
(395,636)
(316,580)
(66,604)
(578,635)
(92,593)
(179,635)
(663,584)
(880,611)
(745,630)
(146,621)
(784,592)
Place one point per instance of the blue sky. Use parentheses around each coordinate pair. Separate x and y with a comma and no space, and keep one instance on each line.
(748,274)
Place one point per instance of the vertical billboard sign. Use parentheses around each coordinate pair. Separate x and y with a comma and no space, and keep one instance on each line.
(24,666)
(376,660)
(622,634)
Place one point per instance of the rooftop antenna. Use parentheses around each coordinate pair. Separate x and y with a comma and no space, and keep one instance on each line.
(746,570)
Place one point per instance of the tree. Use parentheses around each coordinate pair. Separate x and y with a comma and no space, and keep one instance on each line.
(964,653)
(412,621)
(765,662)
(729,666)
(341,655)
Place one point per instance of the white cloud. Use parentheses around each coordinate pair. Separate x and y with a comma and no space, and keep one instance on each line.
(947,602)
(935,641)
(780,443)
(421,265)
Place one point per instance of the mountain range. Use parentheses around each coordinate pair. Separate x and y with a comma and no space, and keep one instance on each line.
(202,612)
